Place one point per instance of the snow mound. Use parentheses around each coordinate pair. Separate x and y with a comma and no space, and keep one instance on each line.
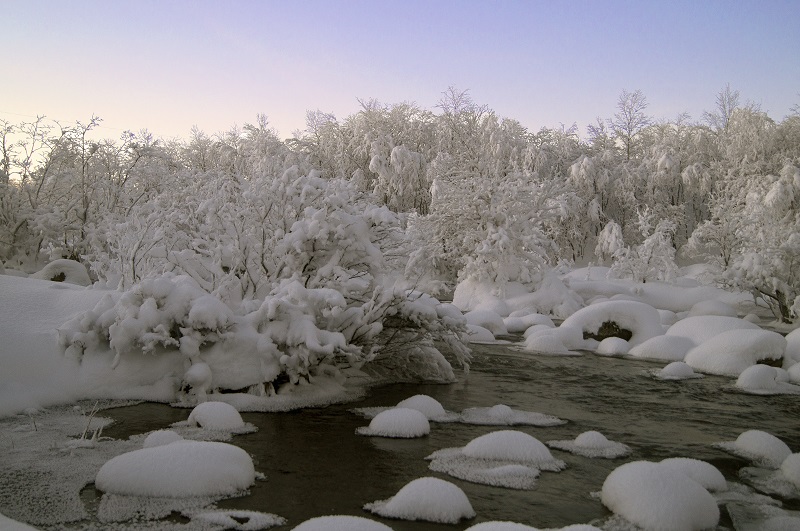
(613,346)
(430,499)
(792,348)
(659,497)
(706,474)
(666,347)
(549,342)
(487,319)
(63,270)
(7,524)
(592,444)
(791,469)
(521,320)
(479,334)
(160,438)
(427,405)
(763,448)
(731,352)
(712,307)
(764,380)
(178,470)
(511,445)
(702,328)
(238,520)
(500,526)
(341,523)
(503,415)
(216,416)
(399,422)
(677,370)
(639,318)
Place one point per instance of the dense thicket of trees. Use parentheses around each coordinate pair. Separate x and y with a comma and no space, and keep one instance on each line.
(452,193)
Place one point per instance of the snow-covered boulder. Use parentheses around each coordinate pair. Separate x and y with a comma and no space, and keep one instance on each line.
(613,346)
(547,343)
(160,438)
(659,497)
(503,415)
(400,422)
(704,327)
(178,470)
(791,469)
(341,523)
(702,472)
(479,334)
(592,444)
(712,307)
(641,320)
(666,348)
(677,370)
(763,448)
(63,270)
(792,348)
(429,499)
(521,320)
(511,445)
(216,416)
(731,352)
(427,405)
(488,320)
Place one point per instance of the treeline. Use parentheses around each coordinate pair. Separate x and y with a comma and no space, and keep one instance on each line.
(475,194)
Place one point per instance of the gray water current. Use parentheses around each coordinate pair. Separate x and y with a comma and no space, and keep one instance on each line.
(316,465)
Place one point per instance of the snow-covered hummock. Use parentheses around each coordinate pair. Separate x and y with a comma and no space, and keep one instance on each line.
(658,497)
(712,307)
(592,444)
(641,319)
(160,438)
(677,370)
(479,334)
(763,448)
(519,321)
(764,380)
(702,328)
(399,422)
(430,499)
(506,458)
(792,356)
(791,469)
(503,415)
(427,405)
(7,524)
(238,519)
(63,270)
(341,523)
(666,347)
(559,341)
(613,346)
(216,416)
(180,469)
(500,526)
(729,353)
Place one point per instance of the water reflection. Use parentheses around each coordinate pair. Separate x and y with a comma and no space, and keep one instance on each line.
(316,465)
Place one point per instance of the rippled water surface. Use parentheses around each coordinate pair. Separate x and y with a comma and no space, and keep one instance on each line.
(316,465)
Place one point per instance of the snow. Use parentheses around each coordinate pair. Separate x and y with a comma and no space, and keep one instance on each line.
(479,334)
(702,328)
(592,444)
(791,469)
(613,346)
(706,474)
(487,319)
(659,498)
(503,415)
(677,370)
(178,470)
(427,405)
(341,523)
(641,319)
(521,320)
(765,380)
(7,524)
(547,343)
(511,445)
(71,271)
(792,348)
(238,520)
(429,499)
(399,422)
(666,347)
(731,352)
(500,526)
(763,448)
(216,416)
(712,307)
(160,438)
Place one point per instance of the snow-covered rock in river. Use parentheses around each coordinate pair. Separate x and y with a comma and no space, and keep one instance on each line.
(641,320)
(399,422)
(658,497)
(160,438)
(712,307)
(178,470)
(702,472)
(487,319)
(731,352)
(666,347)
(704,327)
(613,346)
(341,523)
(760,447)
(677,370)
(592,444)
(216,416)
(503,415)
(429,499)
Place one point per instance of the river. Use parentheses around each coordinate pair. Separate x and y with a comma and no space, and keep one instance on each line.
(316,465)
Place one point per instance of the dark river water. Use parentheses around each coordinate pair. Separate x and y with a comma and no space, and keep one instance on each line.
(316,465)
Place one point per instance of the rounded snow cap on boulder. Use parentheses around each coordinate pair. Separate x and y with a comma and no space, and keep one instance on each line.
(758,378)
(677,370)
(401,422)
(641,320)
(702,472)
(430,499)
(731,352)
(712,307)
(658,497)
(216,416)
(160,438)
(791,469)
(759,446)
(428,406)
(341,523)
(64,270)
(508,445)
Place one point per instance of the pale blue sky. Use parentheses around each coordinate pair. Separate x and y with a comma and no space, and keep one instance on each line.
(166,65)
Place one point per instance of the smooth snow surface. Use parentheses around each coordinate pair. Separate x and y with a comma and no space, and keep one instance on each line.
(160,438)
(677,370)
(765,380)
(503,415)
(500,526)
(702,472)
(792,348)
(546,342)
(341,523)
(178,470)
(712,307)
(487,319)
(791,469)
(666,347)
(763,448)
(510,445)
(704,327)
(659,498)
(731,352)
(641,319)
(430,499)
(592,444)
(399,422)
(479,334)
(216,416)
(613,346)
(519,321)
(427,405)
(72,272)
(7,524)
